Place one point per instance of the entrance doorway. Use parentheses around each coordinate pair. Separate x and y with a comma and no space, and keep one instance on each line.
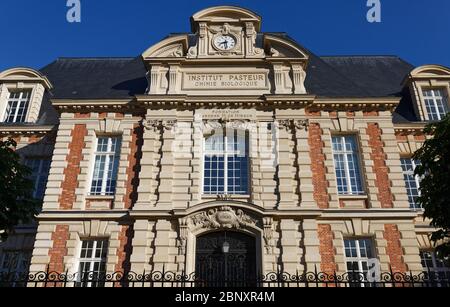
(225,259)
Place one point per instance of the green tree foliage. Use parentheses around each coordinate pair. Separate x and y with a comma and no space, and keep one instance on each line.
(17,205)
(434,170)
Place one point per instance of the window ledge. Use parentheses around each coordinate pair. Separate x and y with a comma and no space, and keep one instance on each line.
(99,197)
(353,197)
(225,197)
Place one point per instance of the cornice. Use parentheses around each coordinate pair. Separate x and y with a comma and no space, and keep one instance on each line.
(26,130)
(410,128)
(363,103)
(183,100)
(76,105)
(225,101)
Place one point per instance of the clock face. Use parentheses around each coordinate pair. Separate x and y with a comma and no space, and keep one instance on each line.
(225,42)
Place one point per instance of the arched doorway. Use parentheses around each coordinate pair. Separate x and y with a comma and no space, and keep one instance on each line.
(226,259)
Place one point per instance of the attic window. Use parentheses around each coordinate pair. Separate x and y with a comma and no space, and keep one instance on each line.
(436,104)
(17,108)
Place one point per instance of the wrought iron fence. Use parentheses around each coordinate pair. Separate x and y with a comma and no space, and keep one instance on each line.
(173,279)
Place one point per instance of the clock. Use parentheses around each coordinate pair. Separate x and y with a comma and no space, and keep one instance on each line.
(225,42)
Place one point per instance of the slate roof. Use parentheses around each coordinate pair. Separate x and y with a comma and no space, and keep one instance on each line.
(328,76)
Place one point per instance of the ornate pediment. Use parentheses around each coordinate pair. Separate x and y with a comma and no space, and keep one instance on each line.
(172,47)
(226,55)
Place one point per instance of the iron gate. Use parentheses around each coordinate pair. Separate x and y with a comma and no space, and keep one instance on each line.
(225,259)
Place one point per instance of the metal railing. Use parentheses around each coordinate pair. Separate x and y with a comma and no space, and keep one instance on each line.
(174,279)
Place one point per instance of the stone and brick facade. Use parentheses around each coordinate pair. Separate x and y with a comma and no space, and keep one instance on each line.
(165,104)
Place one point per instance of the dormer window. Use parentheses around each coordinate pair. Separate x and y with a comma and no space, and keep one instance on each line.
(436,103)
(22,91)
(17,107)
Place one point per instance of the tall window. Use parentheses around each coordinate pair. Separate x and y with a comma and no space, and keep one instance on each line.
(106,166)
(17,108)
(412,182)
(39,174)
(346,161)
(226,163)
(92,268)
(436,103)
(358,252)
(432,265)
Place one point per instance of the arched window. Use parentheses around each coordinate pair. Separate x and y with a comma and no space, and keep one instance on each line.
(226,162)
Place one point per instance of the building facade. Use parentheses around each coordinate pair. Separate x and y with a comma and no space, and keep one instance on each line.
(223,140)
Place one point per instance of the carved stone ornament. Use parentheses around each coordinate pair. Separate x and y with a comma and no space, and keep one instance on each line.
(301,124)
(223,217)
(157,125)
(268,234)
(298,124)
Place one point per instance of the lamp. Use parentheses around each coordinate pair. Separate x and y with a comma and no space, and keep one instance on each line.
(226,247)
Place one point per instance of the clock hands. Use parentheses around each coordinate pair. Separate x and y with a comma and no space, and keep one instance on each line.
(225,43)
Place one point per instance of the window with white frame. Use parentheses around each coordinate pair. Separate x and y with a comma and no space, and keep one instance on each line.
(226,163)
(436,103)
(346,162)
(412,182)
(106,166)
(17,107)
(39,175)
(92,263)
(358,254)
(15,262)
(440,269)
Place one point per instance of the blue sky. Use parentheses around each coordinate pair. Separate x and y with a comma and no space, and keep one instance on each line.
(34,33)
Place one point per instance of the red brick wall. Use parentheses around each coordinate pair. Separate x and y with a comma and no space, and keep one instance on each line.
(380,169)
(59,249)
(133,168)
(72,171)
(124,249)
(320,182)
(326,249)
(394,249)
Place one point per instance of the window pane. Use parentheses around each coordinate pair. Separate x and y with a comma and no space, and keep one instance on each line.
(226,163)
(106,166)
(17,107)
(346,162)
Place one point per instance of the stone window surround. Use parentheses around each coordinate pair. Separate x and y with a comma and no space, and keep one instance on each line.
(430,84)
(19,86)
(22,78)
(357,136)
(88,195)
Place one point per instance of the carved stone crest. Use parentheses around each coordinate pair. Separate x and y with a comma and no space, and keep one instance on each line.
(223,217)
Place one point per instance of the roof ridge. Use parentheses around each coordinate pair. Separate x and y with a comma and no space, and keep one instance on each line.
(361,56)
(95,58)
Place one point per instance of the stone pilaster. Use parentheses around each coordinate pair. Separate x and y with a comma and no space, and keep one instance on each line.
(290,244)
(286,171)
(304,175)
(149,164)
(143,246)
